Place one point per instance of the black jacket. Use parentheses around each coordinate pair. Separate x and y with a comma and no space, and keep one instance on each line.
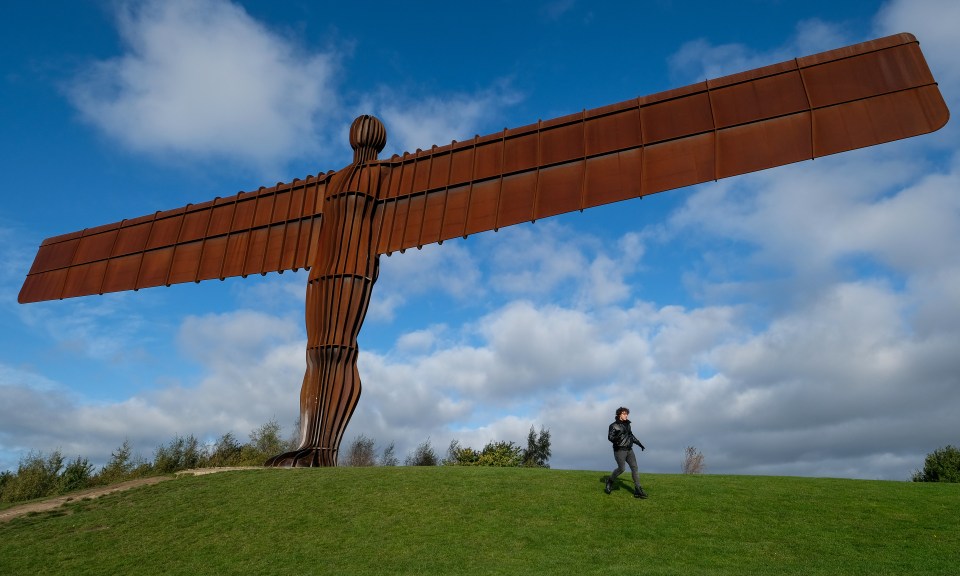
(621,436)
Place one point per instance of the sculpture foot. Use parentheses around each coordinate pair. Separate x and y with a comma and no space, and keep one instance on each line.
(303,458)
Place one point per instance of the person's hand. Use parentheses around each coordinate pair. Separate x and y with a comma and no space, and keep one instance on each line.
(642,448)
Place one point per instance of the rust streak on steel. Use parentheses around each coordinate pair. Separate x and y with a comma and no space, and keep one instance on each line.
(338,224)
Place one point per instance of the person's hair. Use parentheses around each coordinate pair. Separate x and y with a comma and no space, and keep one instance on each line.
(621,410)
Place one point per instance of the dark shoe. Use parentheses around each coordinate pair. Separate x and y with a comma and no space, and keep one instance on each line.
(639,493)
(609,487)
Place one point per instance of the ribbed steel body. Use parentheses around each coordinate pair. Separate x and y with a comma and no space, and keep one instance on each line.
(338,295)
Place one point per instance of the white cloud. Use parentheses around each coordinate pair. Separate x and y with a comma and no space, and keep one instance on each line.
(699,59)
(833,379)
(251,363)
(934,23)
(419,341)
(233,337)
(423,121)
(204,79)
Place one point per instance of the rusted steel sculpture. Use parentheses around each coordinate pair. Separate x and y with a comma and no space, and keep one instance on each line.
(338,224)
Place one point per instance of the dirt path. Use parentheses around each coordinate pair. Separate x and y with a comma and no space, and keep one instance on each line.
(52,503)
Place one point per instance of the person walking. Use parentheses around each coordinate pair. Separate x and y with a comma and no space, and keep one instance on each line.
(622,438)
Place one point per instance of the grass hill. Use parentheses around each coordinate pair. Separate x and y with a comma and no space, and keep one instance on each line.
(464,520)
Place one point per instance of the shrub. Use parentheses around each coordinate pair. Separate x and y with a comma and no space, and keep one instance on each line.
(941,465)
(226,452)
(180,454)
(388,458)
(692,461)
(424,455)
(458,455)
(36,477)
(76,476)
(266,438)
(361,452)
(123,465)
(265,442)
(502,454)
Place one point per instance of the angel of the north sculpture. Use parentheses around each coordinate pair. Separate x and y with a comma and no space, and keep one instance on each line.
(338,224)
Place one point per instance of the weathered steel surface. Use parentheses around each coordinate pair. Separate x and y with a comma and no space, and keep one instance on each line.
(339,223)
(271,230)
(338,293)
(848,98)
(801,109)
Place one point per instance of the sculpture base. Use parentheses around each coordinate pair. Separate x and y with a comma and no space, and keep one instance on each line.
(304,458)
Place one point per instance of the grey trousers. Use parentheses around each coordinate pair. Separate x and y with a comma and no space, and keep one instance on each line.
(626,457)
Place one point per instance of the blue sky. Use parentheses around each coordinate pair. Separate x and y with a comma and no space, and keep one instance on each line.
(803,320)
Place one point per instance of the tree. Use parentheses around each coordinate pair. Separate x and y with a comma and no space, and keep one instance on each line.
(388,458)
(361,452)
(226,452)
(941,465)
(294,439)
(76,476)
(265,442)
(424,455)
(537,453)
(6,479)
(180,454)
(123,465)
(36,477)
(692,461)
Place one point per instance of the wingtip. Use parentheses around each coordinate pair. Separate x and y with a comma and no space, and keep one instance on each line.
(907,37)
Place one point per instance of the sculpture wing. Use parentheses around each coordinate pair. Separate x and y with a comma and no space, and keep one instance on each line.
(849,98)
(268,230)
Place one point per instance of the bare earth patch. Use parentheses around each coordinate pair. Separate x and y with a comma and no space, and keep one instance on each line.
(90,493)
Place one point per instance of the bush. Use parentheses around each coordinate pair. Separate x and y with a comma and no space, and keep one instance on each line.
(6,479)
(501,454)
(493,454)
(461,455)
(123,465)
(36,477)
(941,465)
(388,458)
(265,442)
(424,455)
(180,454)
(266,439)
(226,452)
(361,452)
(692,461)
(76,476)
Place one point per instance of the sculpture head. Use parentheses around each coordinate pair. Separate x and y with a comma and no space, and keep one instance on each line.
(367,138)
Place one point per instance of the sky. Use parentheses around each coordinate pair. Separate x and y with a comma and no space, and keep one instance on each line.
(800,321)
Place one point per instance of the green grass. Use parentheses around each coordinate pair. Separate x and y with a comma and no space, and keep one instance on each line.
(452,520)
